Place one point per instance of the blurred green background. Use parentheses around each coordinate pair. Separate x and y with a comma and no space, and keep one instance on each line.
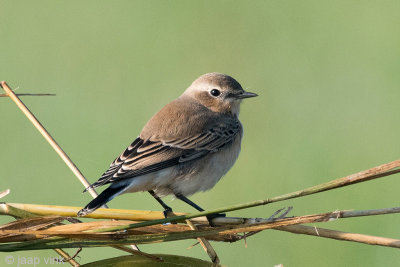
(327,73)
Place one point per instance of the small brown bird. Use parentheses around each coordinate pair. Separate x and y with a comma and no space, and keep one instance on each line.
(184,148)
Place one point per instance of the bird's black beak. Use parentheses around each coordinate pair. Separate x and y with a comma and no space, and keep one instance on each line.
(246,95)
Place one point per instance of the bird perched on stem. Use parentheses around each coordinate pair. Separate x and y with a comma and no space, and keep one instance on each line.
(184,148)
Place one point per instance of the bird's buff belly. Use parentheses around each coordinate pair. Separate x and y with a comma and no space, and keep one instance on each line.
(190,177)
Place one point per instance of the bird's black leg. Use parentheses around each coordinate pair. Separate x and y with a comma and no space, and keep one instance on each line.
(197,207)
(167,208)
(188,201)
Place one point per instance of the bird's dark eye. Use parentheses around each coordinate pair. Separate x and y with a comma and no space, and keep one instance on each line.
(215,92)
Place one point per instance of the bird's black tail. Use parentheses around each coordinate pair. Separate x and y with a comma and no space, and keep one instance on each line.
(101,199)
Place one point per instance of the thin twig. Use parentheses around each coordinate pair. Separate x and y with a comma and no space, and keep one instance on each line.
(6,95)
(205,244)
(339,235)
(67,258)
(138,253)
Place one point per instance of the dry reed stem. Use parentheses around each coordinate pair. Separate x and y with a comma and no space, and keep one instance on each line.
(139,215)
(205,244)
(69,211)
(19,233)
(339,235)
(67,258)
(89,234)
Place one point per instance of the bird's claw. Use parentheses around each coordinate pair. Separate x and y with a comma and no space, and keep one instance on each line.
(166,212)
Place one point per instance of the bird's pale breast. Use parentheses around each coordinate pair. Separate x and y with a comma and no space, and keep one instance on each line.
(211,169)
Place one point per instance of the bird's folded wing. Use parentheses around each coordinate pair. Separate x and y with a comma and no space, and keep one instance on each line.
(146,156)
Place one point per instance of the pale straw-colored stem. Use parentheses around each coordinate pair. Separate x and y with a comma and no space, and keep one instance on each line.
(339,235)
(48,137)
(206,245)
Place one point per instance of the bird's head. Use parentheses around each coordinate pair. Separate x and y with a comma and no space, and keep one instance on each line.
(218,92)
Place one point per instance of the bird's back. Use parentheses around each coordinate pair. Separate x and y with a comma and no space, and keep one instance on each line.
(179,119)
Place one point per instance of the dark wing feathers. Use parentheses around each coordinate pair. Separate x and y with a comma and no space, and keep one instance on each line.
(152,156)
(143,157)
(211,140)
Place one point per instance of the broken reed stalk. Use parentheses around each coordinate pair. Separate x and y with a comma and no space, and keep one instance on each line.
(94,238)
(68,211)
(205,244)
(84,229)
(339,235)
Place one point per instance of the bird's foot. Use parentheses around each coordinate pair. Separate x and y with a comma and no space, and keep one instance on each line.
(166,212)
(212,216)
